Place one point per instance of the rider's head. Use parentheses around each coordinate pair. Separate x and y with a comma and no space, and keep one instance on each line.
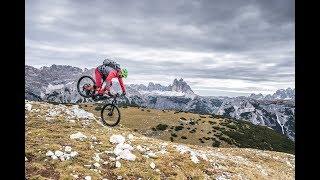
(123,73)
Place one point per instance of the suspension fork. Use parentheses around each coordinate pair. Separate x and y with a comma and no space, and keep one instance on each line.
(113,102)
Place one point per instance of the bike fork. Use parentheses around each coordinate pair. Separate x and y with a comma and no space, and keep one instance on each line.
(111,112)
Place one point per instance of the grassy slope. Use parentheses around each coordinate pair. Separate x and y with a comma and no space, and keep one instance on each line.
(42,135)
(206,131)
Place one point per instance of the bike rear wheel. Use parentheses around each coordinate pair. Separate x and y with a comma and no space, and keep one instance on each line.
(83,83)
(110,115)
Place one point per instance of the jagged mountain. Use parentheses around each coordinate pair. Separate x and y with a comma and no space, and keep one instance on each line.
(278,116)
(54,83)
(58,84)
(151,87)
(178,87)
(257,96)
(281,94)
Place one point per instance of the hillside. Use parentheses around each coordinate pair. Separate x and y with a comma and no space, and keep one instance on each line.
(67,142)
(203,130)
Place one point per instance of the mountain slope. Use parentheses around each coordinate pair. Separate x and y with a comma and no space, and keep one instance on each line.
(280,116)
(80,147)
(196,129)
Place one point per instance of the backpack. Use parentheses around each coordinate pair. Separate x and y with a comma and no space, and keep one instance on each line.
(111,64)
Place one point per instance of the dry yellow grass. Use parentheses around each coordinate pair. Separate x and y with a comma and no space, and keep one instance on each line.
(43,135)
(143,120)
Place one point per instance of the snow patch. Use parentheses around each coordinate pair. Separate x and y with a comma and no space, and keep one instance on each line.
(117,139)
(262,170)
(62,155)
(97,165)
(118,164)
(67,149)
(122,150)
(49,153)
(162,93)
(78,136)
(141,149)
(73,153)
(130,137)
(224,176)
(58,153)
(28,107)
(71,112)
(152,165)
(96,157)
(193,153)
(51,87)
(80,113)
(152,154)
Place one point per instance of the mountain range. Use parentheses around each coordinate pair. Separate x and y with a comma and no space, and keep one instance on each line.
(281,94)
(57,83)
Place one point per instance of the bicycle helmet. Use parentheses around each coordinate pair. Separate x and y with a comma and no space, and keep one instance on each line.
(117,66)
(124,73)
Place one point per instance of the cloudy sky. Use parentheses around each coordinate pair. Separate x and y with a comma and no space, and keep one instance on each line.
(219,47)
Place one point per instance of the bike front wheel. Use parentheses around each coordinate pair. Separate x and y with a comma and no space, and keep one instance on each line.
(110,115)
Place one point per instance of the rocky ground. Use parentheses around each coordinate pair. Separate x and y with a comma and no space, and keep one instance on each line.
(67,142)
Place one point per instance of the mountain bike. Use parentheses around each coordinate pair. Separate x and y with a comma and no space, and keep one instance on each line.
(110,113)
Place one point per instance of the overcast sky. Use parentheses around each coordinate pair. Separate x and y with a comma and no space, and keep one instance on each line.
(225,47)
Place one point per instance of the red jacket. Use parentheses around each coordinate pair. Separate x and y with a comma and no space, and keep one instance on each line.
(109,73)
(114,74)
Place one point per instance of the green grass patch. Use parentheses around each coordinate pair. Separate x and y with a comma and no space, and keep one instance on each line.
(161,127)
(253,136)
(178,128)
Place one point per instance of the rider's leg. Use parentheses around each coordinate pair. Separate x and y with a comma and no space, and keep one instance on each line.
(103,90)
(106,88)
(109,81)
(98,77)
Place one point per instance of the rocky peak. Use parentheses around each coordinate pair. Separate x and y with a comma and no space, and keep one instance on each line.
(256,96)
(180,86)
(61,69)
(282,94)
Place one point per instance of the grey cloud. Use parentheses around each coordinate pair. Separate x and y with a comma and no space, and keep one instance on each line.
(243,72)
(263,31)
(143,23)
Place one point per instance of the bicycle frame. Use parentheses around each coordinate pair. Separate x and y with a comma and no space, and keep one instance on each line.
(113,102)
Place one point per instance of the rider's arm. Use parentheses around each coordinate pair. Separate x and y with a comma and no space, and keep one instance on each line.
(121,84)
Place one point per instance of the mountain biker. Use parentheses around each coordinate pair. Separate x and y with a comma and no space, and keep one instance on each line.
(106,72)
